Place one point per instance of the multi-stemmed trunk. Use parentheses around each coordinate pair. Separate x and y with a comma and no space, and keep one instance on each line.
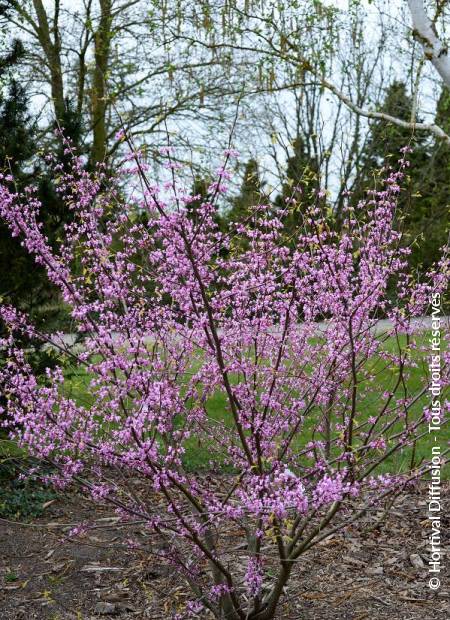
(266,609)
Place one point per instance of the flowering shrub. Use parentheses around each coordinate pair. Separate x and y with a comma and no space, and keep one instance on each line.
(285,333)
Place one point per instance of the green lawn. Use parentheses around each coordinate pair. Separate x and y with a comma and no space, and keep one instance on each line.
(199,450)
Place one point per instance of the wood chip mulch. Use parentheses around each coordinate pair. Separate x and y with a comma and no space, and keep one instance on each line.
(363,573)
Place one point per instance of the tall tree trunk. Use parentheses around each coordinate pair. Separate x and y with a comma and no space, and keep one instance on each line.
(424,30)
(51,46)
(102,42)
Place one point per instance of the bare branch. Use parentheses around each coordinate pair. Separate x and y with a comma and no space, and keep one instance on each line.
(428,127)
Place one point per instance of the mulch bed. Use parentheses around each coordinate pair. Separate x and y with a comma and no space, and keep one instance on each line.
(363,573)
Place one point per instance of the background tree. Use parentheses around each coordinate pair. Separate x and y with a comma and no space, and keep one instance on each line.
(425,202)
(386,139)
(112,65)
(302,182)
(251,193)
(307,69)
(427,221)
(20,279)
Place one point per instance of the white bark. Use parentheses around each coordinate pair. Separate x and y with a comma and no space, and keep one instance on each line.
(425,32)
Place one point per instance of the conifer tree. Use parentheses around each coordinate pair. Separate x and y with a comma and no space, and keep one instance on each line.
(22,281)
(251,193)
(300,185)
(428,219)
(424,203)
(18,276)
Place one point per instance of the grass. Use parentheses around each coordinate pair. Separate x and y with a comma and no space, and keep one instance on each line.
(198,450)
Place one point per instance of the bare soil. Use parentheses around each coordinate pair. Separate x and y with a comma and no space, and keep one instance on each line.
(363,573)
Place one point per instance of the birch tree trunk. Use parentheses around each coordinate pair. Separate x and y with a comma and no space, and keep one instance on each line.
(425,32)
